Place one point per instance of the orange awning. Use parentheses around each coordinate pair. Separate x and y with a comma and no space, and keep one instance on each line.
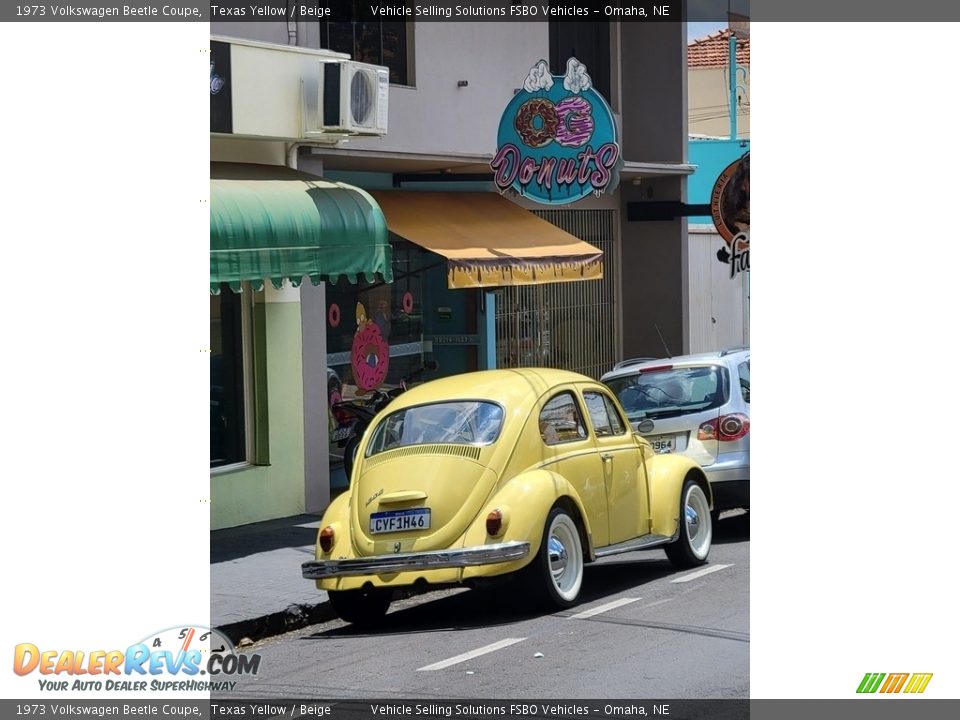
(488,240)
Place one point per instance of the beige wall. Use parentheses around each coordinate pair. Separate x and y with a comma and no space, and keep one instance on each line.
(709,102)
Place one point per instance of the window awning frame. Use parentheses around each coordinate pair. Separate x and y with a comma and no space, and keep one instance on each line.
(276,223)
(488,240)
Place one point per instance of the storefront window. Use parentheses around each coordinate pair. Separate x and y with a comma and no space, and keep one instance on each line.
(228,406)
(375,330)
(378,335)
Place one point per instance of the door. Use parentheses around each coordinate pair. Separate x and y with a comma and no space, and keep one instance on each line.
(563,431)
(624,478)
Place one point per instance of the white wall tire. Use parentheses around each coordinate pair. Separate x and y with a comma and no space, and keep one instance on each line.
(692,547)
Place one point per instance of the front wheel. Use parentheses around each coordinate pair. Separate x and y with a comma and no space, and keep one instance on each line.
(696,529)
(556,574)
(364,607)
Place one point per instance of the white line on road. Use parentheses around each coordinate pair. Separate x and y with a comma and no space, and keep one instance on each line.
(493,647)
(655,603)
(603,608)
(700,573)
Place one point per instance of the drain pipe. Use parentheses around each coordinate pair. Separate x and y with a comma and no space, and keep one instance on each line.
(291,24)
(733,86)
(292,150)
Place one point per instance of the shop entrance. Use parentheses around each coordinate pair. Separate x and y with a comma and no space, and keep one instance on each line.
(565,325)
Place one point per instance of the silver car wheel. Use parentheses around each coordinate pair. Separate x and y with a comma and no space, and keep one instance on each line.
(697,517)
(565,557)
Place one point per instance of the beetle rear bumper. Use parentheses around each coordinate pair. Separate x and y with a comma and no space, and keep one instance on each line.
(405,562)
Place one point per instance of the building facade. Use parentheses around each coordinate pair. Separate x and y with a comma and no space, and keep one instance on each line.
(281,356)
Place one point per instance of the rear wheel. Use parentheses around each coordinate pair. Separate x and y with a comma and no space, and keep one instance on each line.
(696,529)
(556,574)
(364,607)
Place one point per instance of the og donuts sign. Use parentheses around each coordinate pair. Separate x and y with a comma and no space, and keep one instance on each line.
(557,141)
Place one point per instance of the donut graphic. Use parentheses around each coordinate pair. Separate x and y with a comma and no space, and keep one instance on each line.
(333,315)
(536,122)
(370,354)
(575,126)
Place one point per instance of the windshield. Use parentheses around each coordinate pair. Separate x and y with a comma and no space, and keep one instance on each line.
(670,392)
(467,422)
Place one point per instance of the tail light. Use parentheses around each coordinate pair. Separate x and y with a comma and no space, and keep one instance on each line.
(726,428)
(494,523)
(326,539)
(655,369)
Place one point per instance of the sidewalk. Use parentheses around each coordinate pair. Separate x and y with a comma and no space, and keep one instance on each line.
(256,589)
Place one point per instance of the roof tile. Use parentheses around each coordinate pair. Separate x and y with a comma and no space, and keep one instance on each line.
(714,51)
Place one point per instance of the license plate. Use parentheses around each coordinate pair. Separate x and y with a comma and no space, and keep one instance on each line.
(341,434)
(396,520)
(661,444)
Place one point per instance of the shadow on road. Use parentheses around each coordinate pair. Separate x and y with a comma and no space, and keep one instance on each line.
(733,527)
(492,607)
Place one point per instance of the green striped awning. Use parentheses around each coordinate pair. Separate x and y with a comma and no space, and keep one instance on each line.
(270,222)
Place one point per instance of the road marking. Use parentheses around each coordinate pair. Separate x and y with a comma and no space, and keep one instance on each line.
(493,647)
(655,603)
(603,608)
(701,573)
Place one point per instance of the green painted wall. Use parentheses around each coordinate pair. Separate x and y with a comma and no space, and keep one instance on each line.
(275,490)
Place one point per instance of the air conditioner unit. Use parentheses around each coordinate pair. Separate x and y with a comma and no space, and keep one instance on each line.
(353,97)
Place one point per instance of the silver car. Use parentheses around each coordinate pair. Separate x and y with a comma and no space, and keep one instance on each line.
(698,406)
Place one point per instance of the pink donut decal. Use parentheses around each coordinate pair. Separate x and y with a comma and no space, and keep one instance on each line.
(575,126)
(333,315)
(408,302)
(370,357)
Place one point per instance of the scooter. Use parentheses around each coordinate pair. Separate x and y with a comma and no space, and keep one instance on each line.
(354,416)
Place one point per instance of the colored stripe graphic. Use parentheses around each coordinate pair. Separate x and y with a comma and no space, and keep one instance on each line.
(870,682)
(894,682)
(918,683)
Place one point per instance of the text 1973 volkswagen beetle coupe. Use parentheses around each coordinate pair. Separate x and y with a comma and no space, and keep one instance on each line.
(533,472)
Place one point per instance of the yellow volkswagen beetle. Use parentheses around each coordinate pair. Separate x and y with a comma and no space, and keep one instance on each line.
(531,472)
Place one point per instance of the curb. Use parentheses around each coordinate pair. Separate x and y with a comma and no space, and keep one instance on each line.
(293,617)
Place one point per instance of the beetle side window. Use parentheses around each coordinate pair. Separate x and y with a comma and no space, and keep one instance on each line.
(560,420)
(604,416)
(744,371)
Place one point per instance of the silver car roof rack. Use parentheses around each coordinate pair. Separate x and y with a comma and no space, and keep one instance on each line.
(633,361)
(738,348)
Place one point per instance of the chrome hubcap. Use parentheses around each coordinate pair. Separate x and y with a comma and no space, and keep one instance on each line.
(693,522)
(558,557)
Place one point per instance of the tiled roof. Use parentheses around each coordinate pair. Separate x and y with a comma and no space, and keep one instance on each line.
(714,51)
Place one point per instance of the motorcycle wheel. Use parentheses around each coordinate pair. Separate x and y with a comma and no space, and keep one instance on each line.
(350,454)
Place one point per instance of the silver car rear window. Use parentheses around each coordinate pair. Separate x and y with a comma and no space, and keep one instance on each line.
(671,392)
(465,422)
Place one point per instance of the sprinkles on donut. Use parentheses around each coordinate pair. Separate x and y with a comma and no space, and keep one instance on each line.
(528,112)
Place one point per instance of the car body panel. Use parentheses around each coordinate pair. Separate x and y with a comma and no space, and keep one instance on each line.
(616,488)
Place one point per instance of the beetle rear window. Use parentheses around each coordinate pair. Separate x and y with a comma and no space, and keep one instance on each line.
(467,422)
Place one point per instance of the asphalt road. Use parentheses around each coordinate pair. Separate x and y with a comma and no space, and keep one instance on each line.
(641,630)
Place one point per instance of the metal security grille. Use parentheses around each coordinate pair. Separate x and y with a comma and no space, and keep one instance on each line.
(568,325)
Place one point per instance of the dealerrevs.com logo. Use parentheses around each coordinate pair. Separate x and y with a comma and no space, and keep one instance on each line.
(894,682)
(184,658)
